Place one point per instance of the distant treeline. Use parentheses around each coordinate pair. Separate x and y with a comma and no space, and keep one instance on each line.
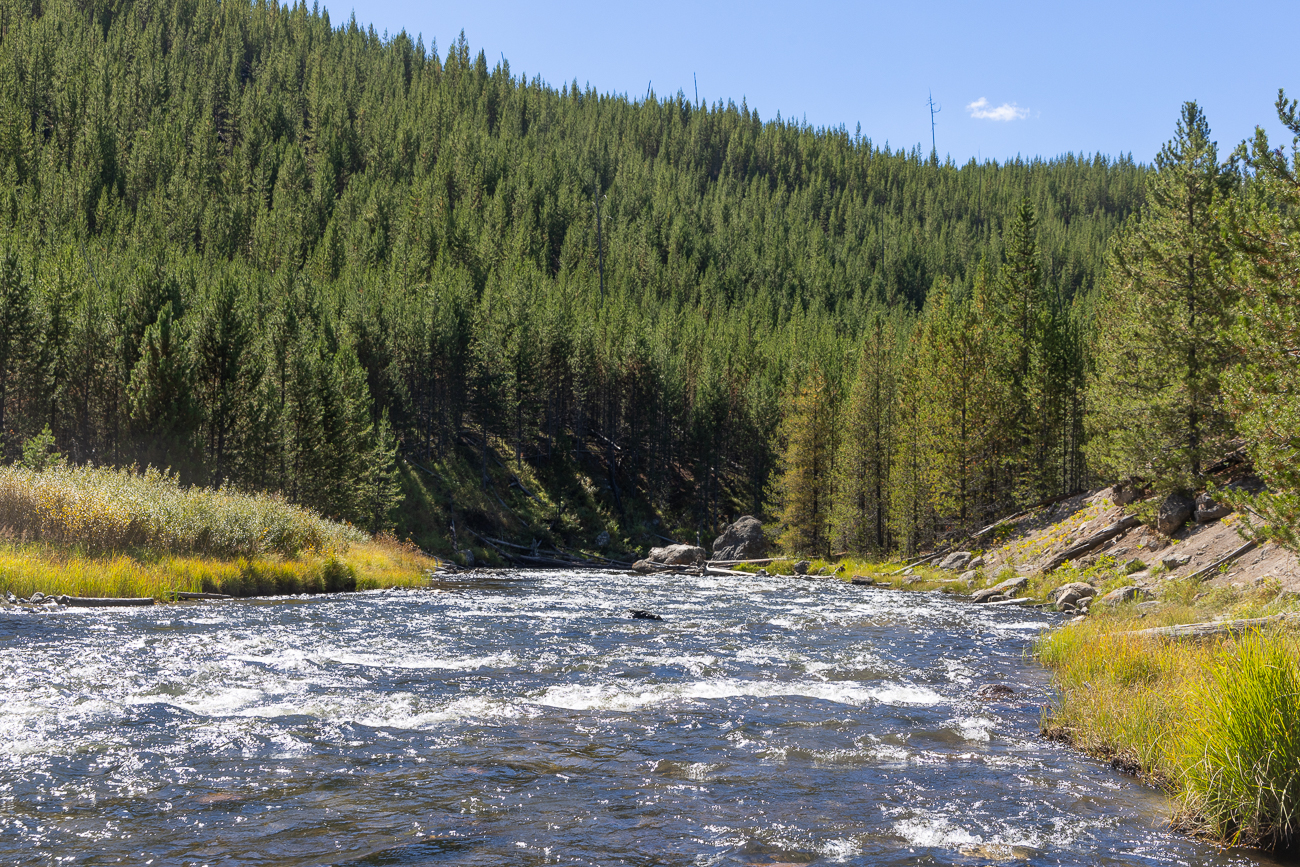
(267,251)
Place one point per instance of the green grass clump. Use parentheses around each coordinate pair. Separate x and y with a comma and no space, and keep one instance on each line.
(1241,755)
(104,510)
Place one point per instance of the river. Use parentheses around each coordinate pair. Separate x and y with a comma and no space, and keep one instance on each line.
(523,718)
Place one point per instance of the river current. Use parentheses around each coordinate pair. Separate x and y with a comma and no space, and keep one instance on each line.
(524,718)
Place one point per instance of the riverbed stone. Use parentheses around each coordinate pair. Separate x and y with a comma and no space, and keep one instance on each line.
(988,594)
(743,540)
(678,555)
(37,598)
(1071,596)
(1174,512)
(956,561)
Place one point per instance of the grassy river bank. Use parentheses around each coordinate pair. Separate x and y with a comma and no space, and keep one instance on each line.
(96,532)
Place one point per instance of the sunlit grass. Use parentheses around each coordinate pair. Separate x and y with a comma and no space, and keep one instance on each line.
(107,510)
(56,570)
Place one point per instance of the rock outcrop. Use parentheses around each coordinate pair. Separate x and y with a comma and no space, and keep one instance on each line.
(1174,512)
(1208,509)
(956,561)
(743,540)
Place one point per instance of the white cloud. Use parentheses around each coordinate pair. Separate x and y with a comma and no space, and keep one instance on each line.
(980,110)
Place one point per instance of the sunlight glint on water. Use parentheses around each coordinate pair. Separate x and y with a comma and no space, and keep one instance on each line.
(525,719)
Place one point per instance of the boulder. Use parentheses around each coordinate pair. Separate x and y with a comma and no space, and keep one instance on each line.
(641,614)
(1175,561)
(988,594)
(995,690)
(1174,512)
(1124,594)
(956,561)
(968,576)
(977,563)
(801,568)
(1072,595)
(677,555)
(1208,509)
(743,540)
(1124,493)
(37,598)
(1011,585)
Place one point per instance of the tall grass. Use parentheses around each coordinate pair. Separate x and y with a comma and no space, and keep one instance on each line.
(1241,754)
(1217,721)
(106,510)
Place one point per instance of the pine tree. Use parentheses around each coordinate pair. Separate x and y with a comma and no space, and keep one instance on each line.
(15,336)
(807,465)
(1155,407)
(1263,390)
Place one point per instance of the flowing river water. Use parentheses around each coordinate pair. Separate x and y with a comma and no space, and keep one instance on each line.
(523,718)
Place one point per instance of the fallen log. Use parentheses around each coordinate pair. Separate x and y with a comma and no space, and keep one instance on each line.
(1208,571)
(103,601)
(1214,627)
(763,561)
(179,595)
(1093,542)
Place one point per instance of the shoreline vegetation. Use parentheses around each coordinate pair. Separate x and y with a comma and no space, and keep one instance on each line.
(99,532)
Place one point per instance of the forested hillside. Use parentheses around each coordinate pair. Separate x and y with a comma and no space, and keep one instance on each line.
(406,287)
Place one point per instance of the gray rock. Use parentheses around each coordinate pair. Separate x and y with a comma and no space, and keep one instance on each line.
(678,555)
(1070,596)
(1124,594)
(956,561)
(37,598)
(1175,562)
(602,538)
(1124,493)
(1011,585)
(968,576)
(977,563)
(743,540)
(1208,509)
(988,594)
(801,568)
(1174,512)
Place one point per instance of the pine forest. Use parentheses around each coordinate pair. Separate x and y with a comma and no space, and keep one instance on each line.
(426,294)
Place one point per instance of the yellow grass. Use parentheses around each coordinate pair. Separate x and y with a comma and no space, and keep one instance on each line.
(57,570)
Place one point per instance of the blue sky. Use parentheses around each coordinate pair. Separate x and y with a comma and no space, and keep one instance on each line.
(1034,79)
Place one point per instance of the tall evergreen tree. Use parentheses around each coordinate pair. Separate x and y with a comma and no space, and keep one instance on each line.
(1160,348)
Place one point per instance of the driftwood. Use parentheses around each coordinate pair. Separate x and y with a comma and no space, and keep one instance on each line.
(1209,571)
(763,561)
(102,602)
(1093,542)
(1213,628)
(179,595)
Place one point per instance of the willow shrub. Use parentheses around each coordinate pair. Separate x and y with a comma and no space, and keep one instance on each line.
(105,510)
(1241,755)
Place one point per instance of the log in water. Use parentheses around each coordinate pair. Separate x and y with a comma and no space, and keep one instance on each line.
(526,718)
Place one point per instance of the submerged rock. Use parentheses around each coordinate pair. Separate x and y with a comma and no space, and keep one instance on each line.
(642,614)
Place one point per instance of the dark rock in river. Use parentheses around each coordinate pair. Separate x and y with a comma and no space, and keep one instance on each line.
(995,690)
(641,614)
(743,540)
